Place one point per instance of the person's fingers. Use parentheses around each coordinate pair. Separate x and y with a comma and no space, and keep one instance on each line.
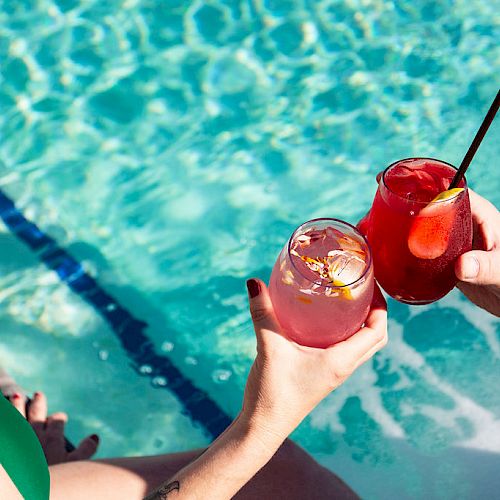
(261,309)
(488,299)
(486,222)
(37,411)
(481,208)
(85,449)
(346,356)
(377,318)
(480,268)
(376,348)
(19,403)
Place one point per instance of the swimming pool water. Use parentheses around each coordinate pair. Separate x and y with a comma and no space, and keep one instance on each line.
(173,146)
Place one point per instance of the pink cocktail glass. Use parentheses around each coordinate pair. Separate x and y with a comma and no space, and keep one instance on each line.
(322,283)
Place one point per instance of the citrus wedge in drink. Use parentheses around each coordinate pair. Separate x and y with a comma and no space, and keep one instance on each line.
(431,229)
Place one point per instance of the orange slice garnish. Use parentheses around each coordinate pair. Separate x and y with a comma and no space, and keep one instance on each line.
(431,230)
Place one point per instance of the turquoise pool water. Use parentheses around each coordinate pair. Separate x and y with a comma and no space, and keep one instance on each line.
(173,146)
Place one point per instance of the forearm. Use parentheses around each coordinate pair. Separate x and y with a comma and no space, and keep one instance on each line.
(227,465)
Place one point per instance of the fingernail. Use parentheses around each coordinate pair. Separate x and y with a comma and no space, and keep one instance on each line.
(470,268)
(16,395)
(36,394)
(95,438)
(253,287)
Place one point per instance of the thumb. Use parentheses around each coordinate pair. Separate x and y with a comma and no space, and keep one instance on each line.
(261,309)
(480,268)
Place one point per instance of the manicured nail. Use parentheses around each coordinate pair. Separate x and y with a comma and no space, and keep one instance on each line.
(470,268)
(253,287)
(36,394)
(16,395)
(95,438)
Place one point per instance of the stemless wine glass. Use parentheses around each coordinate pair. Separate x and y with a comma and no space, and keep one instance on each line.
(322,283)
(417,229)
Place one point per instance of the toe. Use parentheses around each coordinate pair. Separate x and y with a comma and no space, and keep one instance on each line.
(86,448)
(37,412)
(19,402)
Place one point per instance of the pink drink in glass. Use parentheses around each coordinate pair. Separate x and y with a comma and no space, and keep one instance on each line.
(322,284)
(416,237)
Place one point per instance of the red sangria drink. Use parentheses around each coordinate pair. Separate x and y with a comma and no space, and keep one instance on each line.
(322,283)
(417,228)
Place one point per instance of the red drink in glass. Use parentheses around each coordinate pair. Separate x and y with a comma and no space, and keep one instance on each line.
(416,238)
(322,283)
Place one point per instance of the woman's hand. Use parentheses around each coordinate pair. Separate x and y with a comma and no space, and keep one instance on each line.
(479,270)
(50,430)
(288,380)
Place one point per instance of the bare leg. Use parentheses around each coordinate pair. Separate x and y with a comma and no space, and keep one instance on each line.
(291,474)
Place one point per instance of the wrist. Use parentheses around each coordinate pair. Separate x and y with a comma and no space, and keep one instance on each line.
(264,432)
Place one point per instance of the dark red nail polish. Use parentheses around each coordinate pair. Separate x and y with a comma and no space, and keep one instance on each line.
(16,395)
(253,287)
(95,438)
(36,394)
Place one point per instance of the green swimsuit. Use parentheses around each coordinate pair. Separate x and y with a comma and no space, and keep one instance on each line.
(21,454)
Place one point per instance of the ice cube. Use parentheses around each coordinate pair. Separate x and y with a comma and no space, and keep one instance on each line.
(344,267)
(333,233)
(401,171)
(316,235)
(353,270)
(413,183)
(351,245)
(304,240)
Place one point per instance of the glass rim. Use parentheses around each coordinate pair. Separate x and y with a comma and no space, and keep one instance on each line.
(454,197)
(368,262)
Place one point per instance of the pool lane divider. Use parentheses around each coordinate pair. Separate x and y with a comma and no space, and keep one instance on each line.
(129,330)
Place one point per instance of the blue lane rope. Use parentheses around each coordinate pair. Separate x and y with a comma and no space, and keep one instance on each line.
(129,330)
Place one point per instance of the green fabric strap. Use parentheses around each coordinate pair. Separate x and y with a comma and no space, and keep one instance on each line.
(21,454)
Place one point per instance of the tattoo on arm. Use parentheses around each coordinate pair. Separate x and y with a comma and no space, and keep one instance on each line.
(162,492)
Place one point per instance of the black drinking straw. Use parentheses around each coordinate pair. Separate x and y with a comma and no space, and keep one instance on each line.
(476,142)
